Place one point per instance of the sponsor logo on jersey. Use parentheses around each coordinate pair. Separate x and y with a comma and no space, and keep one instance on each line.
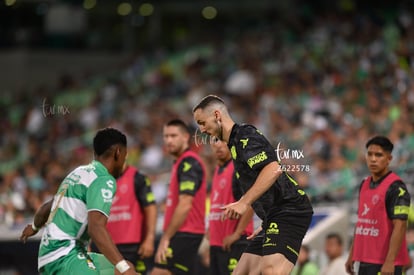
(257,159)
(107,195)
(367,231)
(272,229)
(187,166)
(366,210)
(244,142)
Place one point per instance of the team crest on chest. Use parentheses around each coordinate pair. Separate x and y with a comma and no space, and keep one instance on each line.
(222,183)
(375,199)
(123,188)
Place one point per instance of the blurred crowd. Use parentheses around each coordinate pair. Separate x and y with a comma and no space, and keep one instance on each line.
(317,91)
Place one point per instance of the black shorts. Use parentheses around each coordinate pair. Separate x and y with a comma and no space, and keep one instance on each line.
(129,252)
(224,262)
(368,269)
(281,233)
(184,250)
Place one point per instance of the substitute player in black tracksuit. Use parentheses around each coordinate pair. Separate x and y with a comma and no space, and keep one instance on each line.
(274,195)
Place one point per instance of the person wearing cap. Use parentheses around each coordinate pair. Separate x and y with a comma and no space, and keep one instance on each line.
(79,212)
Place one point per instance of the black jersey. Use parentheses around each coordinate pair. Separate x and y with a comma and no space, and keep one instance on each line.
(143,190)
(190,176)
(251,152)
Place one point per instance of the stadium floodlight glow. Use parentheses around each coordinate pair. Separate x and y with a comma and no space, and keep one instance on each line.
(209,12)
(9,2)
(89,4)
(146,9)
(124,9)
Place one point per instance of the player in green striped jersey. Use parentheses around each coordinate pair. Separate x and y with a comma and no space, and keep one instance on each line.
(79,212)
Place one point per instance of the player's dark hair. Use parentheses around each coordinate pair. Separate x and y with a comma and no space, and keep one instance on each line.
(179,123)
(335,236)
(107,137)
(207,101)
(381,141)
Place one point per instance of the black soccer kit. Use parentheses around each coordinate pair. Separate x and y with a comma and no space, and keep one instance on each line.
(284,208)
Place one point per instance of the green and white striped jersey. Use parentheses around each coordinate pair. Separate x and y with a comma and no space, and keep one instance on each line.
(87,188)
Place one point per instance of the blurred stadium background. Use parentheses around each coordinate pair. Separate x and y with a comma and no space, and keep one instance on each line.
(319,77)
